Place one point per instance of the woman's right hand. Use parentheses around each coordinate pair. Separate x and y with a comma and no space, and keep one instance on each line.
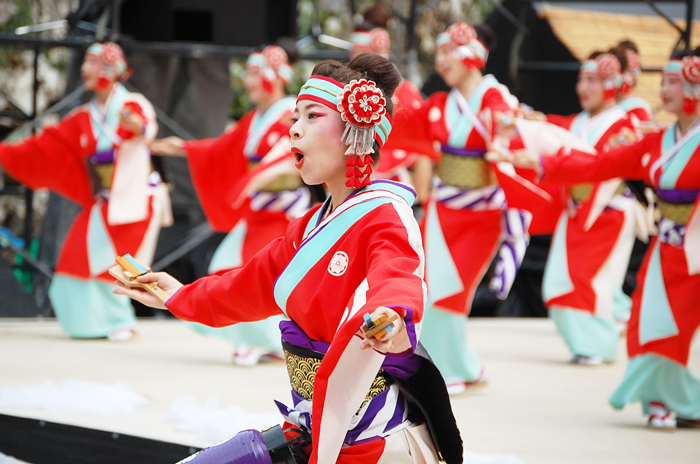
(165,281)
(169,146)
(530,114)
(523,158)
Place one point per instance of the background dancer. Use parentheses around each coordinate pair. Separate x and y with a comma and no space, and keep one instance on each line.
(664,309)
(248,187)
(98,147)
(628,55)
(410,149)
(592,243)
(359,253)
(464,221)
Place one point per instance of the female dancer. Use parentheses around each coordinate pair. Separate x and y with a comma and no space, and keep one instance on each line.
(358,253)
(628,54)
(592,243)
(664,309)
(464,219)
(409,141)
(99,147)
(248,188)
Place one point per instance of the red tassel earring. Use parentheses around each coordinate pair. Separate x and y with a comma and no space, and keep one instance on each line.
(690,105)
(103,83)
(609,94)
(267,86)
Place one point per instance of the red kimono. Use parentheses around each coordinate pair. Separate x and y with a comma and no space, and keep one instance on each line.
(249,188)
(664,309)
(325,274)
(591,247)
(409,137)
(123,214)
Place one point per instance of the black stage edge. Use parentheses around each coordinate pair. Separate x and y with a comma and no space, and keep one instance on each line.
(41,442)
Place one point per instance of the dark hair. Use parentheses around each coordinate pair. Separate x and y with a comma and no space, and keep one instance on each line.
(627,44)
(595,55)
(364,66)
(621,54)
(680,54)
(486,35)
(378,16)
(289,45)
(364,27)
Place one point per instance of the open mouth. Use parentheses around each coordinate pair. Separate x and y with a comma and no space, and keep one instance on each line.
(298,157)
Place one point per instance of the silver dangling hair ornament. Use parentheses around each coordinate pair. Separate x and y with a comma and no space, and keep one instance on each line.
(362,105)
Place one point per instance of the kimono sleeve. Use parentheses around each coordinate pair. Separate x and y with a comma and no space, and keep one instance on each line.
(55,159)
(494,101)
(410,131)
(215,166)
(395,270)
(561,121)
(240,295)
(578,167)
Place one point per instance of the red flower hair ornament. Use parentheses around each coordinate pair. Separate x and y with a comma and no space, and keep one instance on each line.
(461,33)
(362,105)
(632,73)
(468,47)
(379,41)
(690,71)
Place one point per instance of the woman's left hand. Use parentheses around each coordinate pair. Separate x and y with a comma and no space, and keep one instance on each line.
(132,122)
(394,341)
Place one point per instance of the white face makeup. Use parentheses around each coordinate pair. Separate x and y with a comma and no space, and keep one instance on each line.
(449,67)
(318,152)
(90,71)
(671,93)
(252,82)
(590,91)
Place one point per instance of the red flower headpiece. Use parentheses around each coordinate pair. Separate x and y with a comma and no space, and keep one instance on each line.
(362,105)
(379,40)
(608,66)
(275,56)
(691,69)
(112,54)
(634,64)
(461,33)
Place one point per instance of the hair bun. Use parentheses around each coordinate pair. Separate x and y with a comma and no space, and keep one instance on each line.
(378,69)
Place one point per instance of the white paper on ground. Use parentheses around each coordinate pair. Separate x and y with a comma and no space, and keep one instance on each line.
(212,423)
(4,459)
(74,396)
(474,458)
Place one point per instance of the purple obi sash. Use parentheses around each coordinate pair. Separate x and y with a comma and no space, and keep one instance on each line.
(103,157)
(677,196)
(462,151)
(401,368)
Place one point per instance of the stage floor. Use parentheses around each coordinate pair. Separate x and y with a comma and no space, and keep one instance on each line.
(536,406)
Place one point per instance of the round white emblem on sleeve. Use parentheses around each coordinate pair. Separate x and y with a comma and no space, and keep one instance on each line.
(338,264)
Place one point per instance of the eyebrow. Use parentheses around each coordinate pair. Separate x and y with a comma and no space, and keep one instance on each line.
(314,104)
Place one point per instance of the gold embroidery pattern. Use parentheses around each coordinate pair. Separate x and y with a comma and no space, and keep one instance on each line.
(465,172)
(581,192)
(281,183)
(302,374)
(676,212)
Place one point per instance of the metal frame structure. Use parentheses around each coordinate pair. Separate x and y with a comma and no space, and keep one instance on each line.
(201,50)
(516,65)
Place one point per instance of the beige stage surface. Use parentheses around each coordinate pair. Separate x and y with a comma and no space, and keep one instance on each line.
(536,406)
